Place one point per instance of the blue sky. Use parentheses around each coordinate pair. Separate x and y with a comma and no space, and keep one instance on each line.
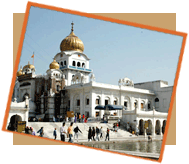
(116,51)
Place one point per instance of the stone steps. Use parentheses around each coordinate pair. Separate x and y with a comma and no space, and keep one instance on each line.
(50,126)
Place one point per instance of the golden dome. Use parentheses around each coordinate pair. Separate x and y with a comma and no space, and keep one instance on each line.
(72,42)
(54,65)
(19,73)
(29,66)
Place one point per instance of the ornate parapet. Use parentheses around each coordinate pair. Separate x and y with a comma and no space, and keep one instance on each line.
(78,78)
(125,82)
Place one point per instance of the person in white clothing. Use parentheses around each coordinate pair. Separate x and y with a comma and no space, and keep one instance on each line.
(62,132)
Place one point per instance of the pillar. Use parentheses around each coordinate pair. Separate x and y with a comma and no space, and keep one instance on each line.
(139,105)
(71,103)
(132,103)
(153,127)
(93,96)
(160,128)
(102,103)
(82,100)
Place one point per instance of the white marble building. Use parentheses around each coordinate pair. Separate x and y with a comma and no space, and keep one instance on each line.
(70,72)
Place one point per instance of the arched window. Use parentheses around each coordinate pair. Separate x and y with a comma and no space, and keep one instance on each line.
(98,100)
(57,87)
(115,101)
(107,100)
(127,102)
(149,105)
(73,63)
(78,102)
(83,65)
(156,103)
(142,105)
(135,104)
(24,97)
(78,64)
(61,63)
(65,62)
(87,100)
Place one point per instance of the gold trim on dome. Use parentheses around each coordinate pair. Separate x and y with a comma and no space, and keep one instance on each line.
(29,66)
(54,65)
(19,73)
(72,42)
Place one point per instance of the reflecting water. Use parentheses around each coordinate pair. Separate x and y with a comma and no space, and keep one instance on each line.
(147,147)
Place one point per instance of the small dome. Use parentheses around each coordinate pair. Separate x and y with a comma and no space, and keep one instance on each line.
(72,42)
(29,66)
(19,73)
(54,65)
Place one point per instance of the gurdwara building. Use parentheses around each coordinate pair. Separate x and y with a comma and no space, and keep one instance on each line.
(69,85)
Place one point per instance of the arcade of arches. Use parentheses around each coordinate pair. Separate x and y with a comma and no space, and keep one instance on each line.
(158,128)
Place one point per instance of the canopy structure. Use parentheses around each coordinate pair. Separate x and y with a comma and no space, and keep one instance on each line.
(100,107)
(109,107)
(114,107)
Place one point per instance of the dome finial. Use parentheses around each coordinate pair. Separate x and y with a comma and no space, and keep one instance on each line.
(72,26)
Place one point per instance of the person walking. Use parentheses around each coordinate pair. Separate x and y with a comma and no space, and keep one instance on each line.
(101,132)
(61,119)
(75,118)
(119,122)
(53,119)
(107,134)
(41,132)
(89,134)
(79,117)
(62,132)
(33,132)
(83,117)
(30,130)
(97,133)
(27,130)
(55,134)
(114,127)
(70,132)
(137,131)
(76,130)
(117,127)
(93,134)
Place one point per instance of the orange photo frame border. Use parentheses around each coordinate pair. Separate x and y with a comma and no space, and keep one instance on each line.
(30,4)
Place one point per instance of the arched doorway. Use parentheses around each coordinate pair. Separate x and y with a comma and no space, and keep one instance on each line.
(14,121)
(141,127)
(24,97)
(163,127)
(149,130)
(157,128)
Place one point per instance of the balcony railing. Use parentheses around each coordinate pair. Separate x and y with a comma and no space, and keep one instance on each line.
(74,67)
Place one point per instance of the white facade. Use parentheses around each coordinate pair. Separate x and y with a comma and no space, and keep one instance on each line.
(143,101)
(73,62)
(20,109)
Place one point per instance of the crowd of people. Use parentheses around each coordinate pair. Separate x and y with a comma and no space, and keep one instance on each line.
(79,118)
(69,133)
(29,130)
(94,134)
